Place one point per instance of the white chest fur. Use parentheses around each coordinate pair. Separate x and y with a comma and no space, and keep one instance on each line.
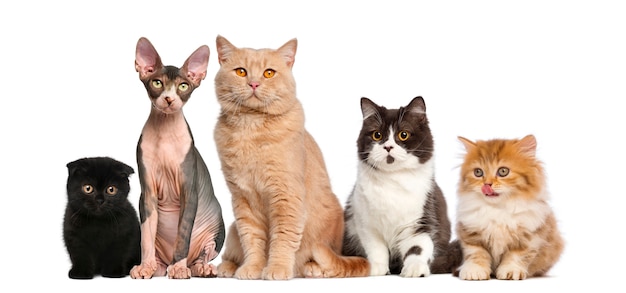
(389,202)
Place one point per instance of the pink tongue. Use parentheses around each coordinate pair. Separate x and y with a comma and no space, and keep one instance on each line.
(487,190)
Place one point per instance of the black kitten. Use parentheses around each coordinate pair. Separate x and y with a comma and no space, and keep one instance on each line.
(101,227)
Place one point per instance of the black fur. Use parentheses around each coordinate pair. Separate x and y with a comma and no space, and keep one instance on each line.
(101,230)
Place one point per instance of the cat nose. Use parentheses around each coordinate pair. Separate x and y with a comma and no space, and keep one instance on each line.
(388,148)
(169,100)
(254,85)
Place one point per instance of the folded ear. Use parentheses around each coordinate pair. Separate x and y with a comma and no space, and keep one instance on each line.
(196,65)
(147,60)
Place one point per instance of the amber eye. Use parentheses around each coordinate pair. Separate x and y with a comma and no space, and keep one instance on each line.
(157,83)
(269,73)
(478,172)
(377,136)
(241,72)
(183,87)
(403,135)
(87,189)
(503,171)
(111,190)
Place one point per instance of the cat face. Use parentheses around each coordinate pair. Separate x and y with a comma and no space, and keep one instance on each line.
(497,169)
(97,186)
(258,80)
(169,87)
(393,139)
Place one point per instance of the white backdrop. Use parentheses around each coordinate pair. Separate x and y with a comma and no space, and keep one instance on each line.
(486,69)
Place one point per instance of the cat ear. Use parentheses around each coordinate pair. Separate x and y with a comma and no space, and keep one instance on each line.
(147,60)
(288,51)
(224,48)
(528,145)
(468,144)
(417,106)
(368,108)
(196,65)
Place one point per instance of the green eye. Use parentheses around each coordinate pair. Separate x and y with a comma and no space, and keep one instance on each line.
(403,135)
(157,83)
(111,190)
(503,171)
(87,189)
(376,136)
(478,172)
(241,72)
(183,87)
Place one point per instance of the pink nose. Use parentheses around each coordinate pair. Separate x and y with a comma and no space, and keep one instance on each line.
(254,85)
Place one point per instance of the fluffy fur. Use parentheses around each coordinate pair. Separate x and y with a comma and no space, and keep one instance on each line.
(182,229)
(505,225)
(288,223)
(101,227)
(396,215)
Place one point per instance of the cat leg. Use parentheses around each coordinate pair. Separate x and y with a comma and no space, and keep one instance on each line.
(82,267)
(476,263)
(202,267)
(417,251)
(513,266)
(377,255)
(233,254)
(252,236)
(179,270)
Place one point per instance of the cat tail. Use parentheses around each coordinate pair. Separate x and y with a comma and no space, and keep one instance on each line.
(330,264)
(449,260)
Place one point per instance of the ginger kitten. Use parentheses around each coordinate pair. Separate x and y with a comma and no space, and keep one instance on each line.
(504,222)
(288,222)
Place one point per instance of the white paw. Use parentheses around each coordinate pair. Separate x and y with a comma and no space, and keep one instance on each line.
(378,269)
(511,272)
(415,269)
(472,271)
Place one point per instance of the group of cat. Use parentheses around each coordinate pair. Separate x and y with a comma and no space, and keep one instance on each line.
(288,222)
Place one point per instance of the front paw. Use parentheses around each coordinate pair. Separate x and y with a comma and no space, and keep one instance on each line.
(178,271)
(143,271)
(276,272)
(80,274)
(415,270)
(379,269)
(204,270)
(511,272)
(472,271)
(249,272)
(227,269)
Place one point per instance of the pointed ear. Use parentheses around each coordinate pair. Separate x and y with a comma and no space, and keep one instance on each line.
(417,105)
(468,144)
(196,65)
(368,108)
(528,145)
(224,49)
(288,51)
(147,60)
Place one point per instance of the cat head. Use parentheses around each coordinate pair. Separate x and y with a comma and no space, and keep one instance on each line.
(257,80)
(97,185)
(393,139)
(169,87)
(501,168)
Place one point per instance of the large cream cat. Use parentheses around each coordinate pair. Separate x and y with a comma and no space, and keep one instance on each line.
(288,222)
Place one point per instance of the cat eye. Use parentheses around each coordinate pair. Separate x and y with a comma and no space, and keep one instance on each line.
(403,135)
(478,172)
(269,73)
(376,136)
(157,83)
(503,171)
(111,190)
(87,189)
(183,87)
(241,72)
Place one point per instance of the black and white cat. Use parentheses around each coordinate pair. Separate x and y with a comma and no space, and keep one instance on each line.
(101,226)
(396,215)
